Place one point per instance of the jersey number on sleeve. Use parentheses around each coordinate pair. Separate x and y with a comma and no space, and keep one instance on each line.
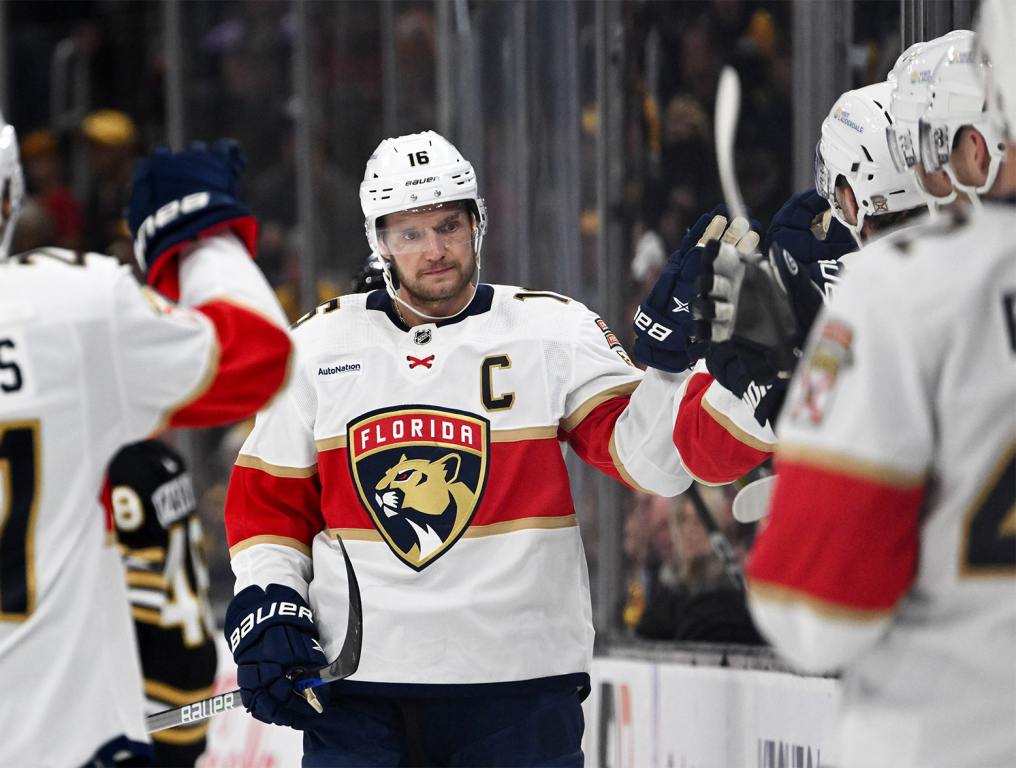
(989,543)
(19,482)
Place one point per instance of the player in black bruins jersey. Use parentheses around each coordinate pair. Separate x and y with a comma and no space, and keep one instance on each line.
(151,500)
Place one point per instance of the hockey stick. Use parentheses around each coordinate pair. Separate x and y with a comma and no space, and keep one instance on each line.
(717,540)
(344,665)
(728,106)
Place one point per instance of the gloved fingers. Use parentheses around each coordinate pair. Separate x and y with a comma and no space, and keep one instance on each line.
(727,261)
(723,316)
(722,326)
(714,229)
(737,229)
(721,289)
(748,244)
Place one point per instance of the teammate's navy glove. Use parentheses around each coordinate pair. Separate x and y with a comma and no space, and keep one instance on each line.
(179,197)
(272,635)
(665,331)
(805,228)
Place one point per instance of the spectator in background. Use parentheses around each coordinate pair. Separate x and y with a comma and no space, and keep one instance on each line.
(44,171)
(112,142)
(692,599)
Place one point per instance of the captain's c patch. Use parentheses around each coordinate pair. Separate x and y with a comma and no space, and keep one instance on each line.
(420,472)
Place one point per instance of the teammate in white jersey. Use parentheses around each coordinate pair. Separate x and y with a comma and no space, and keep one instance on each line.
(891,548)
(89,361)
(731,399)
(426,425)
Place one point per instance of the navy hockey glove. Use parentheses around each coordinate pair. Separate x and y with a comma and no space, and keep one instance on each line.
(272,635)
(804,227)
(180,197)
(665,331)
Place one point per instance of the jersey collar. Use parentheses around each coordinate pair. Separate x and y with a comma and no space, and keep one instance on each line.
(482,299)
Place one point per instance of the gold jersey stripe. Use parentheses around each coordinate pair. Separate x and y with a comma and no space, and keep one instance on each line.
(612,448)
(146,615)
(284,541)
(841,463)
(147,554)
(145,579)
(571,422)
(473,532)
(525,524)
(170,694)
(735,431)
(330,443)
(777,593)
(253,462)
(354,534)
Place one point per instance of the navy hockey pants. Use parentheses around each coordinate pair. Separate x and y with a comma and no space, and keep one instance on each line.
(535,729)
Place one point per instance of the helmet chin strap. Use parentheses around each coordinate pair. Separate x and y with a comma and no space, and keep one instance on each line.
(393,292)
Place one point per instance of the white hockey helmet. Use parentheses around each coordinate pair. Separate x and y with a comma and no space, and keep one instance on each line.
(853,146)
(12,185)
(416,171)
(996,32)
(910,80)
(958,99)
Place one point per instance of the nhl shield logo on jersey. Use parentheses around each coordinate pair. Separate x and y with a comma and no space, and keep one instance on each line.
(420,472)
(830,353)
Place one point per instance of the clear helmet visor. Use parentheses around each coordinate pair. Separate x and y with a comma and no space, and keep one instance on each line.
(431,229)
(825,183)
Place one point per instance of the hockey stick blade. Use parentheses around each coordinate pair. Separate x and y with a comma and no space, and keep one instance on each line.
(728,106)
(345,664)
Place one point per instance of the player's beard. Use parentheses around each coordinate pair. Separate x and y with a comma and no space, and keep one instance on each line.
(419,293)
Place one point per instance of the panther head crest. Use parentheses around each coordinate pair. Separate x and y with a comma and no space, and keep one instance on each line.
(427,495)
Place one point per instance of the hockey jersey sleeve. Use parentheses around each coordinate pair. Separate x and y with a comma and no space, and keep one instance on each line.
(716,433)
(840,550)
(273,504)
(618,420)
(215,358)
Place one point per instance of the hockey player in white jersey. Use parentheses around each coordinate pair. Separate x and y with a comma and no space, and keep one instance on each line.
(426,425)
(891,548)
(732,398)
(89,361)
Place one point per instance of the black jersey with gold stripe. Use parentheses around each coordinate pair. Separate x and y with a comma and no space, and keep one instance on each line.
(151,500)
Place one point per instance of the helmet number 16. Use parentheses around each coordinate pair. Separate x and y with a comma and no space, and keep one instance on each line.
(418,158)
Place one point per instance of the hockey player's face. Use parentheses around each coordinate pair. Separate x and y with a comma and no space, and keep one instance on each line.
(431,253)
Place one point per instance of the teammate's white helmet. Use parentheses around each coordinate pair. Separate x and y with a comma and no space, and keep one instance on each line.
(910,80)
(958,99)
(12,185)
(415,171)
(854,146)
(996,33)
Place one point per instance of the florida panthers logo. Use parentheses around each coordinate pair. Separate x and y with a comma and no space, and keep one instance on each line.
(420,473)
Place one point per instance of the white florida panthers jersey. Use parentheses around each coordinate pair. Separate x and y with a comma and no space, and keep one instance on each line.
(90,361)
(437,454)
(891,547)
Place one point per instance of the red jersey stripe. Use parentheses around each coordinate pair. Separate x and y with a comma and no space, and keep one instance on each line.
(820,542)
(711,452)
(591,437)
(251,352)
(260,504)
(511,493)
